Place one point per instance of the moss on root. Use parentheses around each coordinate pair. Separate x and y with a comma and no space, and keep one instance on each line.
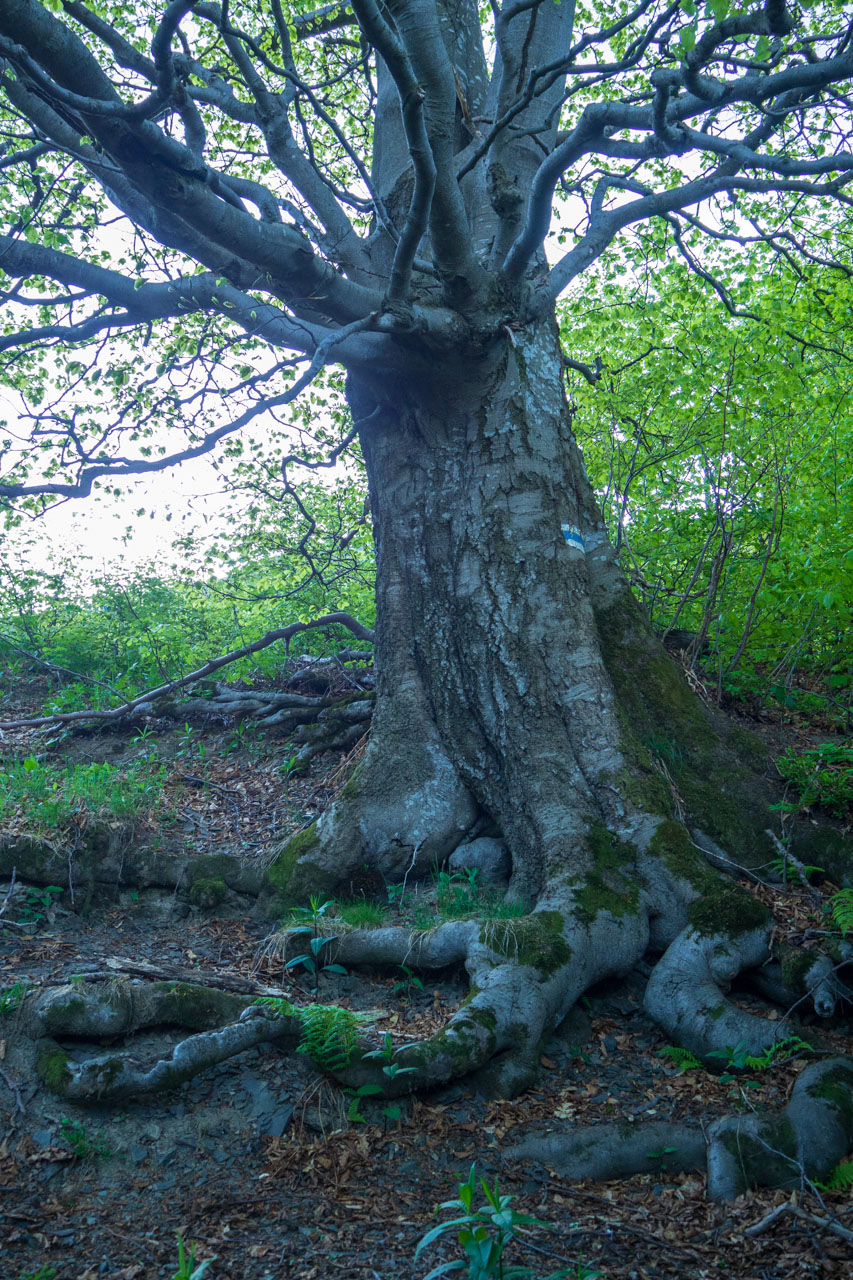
(672,844)
(535,940)
(715,765)
(609,886)
(727,910)
(836,1087)
(293,877)
(63,1014)
(52,1066)
(184,1004)
(720,905)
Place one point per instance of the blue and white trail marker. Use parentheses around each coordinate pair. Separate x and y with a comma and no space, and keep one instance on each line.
(572,534)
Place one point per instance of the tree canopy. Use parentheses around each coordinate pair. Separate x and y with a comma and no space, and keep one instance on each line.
(230,197)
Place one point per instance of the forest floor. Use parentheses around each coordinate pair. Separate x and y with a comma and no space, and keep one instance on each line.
(256,1162)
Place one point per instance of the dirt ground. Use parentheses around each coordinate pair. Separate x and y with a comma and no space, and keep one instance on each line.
(256,1162)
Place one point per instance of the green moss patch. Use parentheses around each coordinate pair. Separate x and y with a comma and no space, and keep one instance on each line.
(292,878)
(52,1066)
(535,940)
(207,892)
(727,910)
(608,886)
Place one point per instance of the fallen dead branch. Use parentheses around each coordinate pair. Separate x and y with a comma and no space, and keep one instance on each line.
(215,664)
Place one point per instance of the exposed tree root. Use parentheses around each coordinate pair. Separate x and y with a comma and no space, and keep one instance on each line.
(123,1007)
(685,993)
(806,1141)
(605,1151)
(148,702)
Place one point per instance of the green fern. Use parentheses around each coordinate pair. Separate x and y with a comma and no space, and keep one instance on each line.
(841,907)
(329,1033)
(779,1052)
(682,1058)
(841,1178)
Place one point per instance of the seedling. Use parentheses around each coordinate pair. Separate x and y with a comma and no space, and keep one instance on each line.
(484,1234)
(309,923)
(38,903)
(409,982)
(187,1269)
(11,998)
(83,1146)
(392,1069)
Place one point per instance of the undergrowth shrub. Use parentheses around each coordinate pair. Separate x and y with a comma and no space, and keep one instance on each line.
(823,775)
(47,796)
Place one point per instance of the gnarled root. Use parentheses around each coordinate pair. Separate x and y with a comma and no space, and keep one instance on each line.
(685,993)
(805,1142)
(115,1077)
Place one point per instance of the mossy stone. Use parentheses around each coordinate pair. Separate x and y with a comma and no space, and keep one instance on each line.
(52,1066)
(207,892)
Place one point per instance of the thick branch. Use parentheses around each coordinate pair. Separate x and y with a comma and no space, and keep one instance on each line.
(215,664)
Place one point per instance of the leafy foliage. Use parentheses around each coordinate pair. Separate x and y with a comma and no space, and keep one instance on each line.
(719,444)
(841,1178)
(48,796)
(823,775)
(681,1058)
(329,1033)
(841,910)
(485,1232)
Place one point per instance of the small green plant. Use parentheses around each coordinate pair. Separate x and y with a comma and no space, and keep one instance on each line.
(841,1178)
(387,1054)
(43,1273)
(397,895)
(354,1115)
(38,903)
(329,1033)
(187,1269)
(82,1144)
(308,923)
(484,1234)
(823,775)
(48,797)
(840,908)
(289,765)
(407,984)
(738,1058)
(787,870)
(681,1058)
(11,998)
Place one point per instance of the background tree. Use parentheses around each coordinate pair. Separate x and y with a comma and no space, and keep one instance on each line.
(245,185)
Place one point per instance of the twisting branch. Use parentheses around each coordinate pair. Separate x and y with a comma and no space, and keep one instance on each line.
(215,664)
(385,41)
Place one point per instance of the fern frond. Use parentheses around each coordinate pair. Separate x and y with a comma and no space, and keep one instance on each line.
(681,1058)
(841,906)
(841,1178)
(329,1034)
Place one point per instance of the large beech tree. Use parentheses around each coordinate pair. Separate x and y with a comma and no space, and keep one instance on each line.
(405,189)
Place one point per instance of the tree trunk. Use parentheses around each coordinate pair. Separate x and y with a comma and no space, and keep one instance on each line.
(520,686)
